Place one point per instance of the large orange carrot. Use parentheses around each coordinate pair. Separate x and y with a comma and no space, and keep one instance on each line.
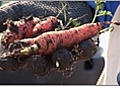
(51,41)
(28,28)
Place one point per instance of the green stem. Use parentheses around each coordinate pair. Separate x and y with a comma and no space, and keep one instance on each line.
(101,15)
(111,28)
(64,12)
(61,11)
(95,15)
(78,18)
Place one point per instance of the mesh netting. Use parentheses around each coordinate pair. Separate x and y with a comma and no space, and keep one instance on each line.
(18,9)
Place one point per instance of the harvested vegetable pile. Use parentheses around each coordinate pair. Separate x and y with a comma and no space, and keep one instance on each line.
(30,42)
(45,44)
(19,45)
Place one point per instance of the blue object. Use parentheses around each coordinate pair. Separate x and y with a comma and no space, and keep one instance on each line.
(109,6)
(118,78)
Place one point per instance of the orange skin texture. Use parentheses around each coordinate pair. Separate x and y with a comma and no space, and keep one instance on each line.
(29,29)
(45,25)
(53,40)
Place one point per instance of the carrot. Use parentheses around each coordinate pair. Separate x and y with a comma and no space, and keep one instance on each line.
(29,28)
(49,24)
(49,42)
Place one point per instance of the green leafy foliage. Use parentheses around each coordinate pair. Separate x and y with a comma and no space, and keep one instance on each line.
(104,12)
(98,2)
(75,23)
(100,10)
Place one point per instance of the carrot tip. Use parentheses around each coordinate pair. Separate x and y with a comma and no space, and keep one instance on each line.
(25,51)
